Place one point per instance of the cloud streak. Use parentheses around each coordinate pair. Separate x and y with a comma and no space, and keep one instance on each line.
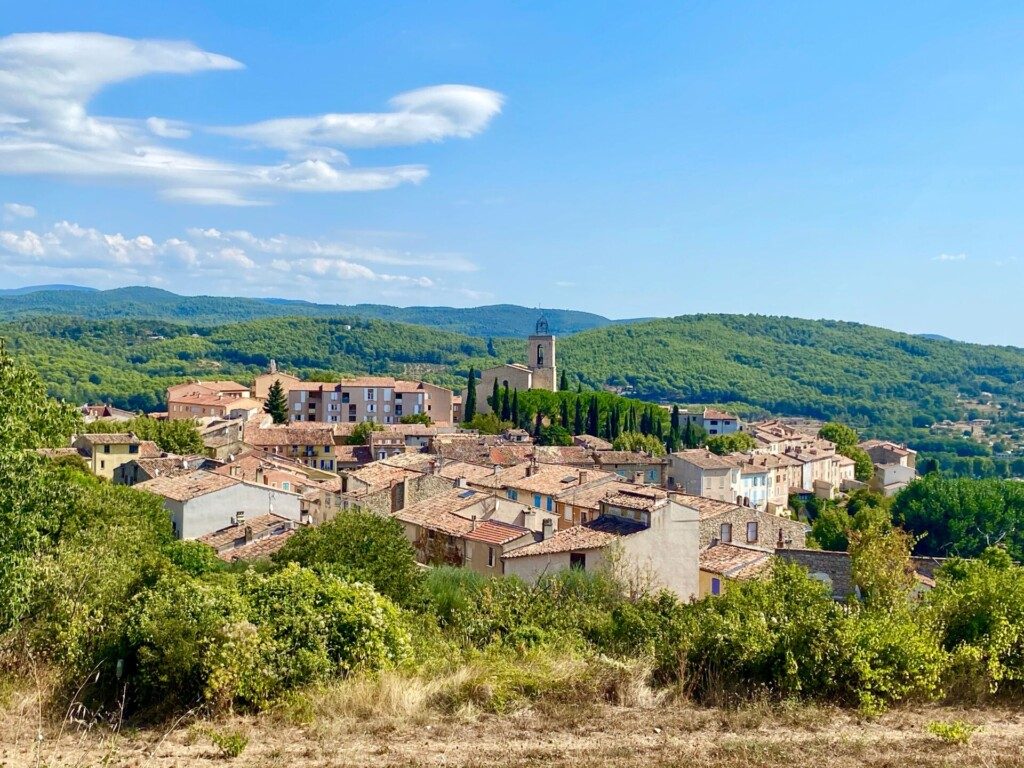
(323,270)
(47,81)
(951,257)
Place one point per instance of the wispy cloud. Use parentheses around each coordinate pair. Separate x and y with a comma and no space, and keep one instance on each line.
(47,81)
(14,211)
(227,261)
(950,257)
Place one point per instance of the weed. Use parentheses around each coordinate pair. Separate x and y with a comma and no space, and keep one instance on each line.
(952,732)
(230,743)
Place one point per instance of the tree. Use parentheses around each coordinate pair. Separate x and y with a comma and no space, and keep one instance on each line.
(734,442)
(416,418)
(277,403)
(863,467)
(361,546)
(490,348)
(880,563)
(637,441)
(840,434)
(514,411)
(578,426)
(495,401)
(563,412)
(488,424)
(554,435)
(469,407)
(593,417)
(362,431)
(506,405)
(563,383)
(674,418)
(694,435)
(831,528)
(28,418)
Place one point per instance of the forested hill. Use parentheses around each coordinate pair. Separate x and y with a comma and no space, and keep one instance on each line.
(863,375)
(142,303)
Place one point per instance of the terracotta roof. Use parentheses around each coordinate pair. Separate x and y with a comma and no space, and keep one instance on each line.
(734,561)
(574,539)
(312,433)
(637,498)
(590,494)
(576,455)
(496,532)
(593,443)
(377,476)
(186,487)
(712,413)
(627,457)
(703,458)
(359,454)
(163,466)
(440,512)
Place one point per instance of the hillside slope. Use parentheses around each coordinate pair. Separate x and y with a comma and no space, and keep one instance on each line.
(143,303)
(860,374)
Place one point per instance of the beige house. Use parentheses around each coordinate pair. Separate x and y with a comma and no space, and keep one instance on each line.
(699,472)
(105,452)
(633,465)
(722,521)
(311,444)
(647,540)
(204,399)
(723,564)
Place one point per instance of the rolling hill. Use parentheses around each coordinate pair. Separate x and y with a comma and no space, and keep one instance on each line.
(866,376)
(144,303)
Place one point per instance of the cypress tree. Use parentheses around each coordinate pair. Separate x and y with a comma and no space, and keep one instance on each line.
(675,418)
(506,405)
(563,412)
(490,348)
(277,403)
(514,414)
(577,422)
(563,383)
(593,417)
(538,425)
(495,400)
(469,407)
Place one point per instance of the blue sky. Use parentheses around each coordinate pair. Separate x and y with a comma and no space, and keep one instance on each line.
(861,163)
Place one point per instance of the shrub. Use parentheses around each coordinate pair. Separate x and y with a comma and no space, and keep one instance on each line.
(361,546)
(231,744)
(953,732)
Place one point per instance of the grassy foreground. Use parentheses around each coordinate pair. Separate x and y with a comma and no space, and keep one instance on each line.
(393,720)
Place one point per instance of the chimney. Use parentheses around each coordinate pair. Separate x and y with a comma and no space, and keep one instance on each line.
(638,478)
(260,478)
(548,527)
(472,524)
(462,483)
(240,518)
(781,543)
(248,534)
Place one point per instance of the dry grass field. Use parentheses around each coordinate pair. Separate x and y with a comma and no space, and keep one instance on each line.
(371,725)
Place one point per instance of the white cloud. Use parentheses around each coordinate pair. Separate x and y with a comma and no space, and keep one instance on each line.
(230,261)
(427,114)
(47,81)
(951,257)
(18,211)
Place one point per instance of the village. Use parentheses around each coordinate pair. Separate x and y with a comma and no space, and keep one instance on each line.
(692,521)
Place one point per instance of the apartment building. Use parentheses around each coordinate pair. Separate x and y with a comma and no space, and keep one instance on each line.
(205,399)
(381,399)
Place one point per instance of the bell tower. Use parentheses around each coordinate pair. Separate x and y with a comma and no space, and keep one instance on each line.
(540,357)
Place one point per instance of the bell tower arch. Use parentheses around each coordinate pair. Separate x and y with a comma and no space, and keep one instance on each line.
(540,357)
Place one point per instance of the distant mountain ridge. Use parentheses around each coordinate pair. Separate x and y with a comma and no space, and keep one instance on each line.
(147,303)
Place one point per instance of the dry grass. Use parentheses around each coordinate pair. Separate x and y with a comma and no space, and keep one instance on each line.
(605,719)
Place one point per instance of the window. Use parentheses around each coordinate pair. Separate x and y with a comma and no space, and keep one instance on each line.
(490,557)
(286,486)
(578,560)
(725,533)
(106,449)
(568,513)
(536,500)
(133,449)
(751,532)
(512,494)
(371,394)
(327,449)
(103,465)
(716,586)
(551,504)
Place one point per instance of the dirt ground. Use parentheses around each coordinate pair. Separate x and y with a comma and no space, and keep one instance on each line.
(667,735)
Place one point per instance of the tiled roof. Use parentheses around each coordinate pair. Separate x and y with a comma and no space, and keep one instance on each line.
(149,450)
(712,413)
(440,512)
(260,525)
(348,454)
(707,507)
(627,457)
(734,561)
(590,494)
(703,458)
(573,539)
(593,443)
(164,466)
(576,455)
(637,498)
(378,475)
(186,487)
(111,438)
(313,433)
(496,532)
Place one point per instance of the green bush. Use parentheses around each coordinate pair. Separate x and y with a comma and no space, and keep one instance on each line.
(362,546)
(953,732)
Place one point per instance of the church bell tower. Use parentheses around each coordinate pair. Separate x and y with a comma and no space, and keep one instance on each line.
(540,357)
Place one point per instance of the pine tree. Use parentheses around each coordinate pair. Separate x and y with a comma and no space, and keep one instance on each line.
(563,412)
(495,401)
(563,383)
(577,422)
(277,403)
(469,407)
(506,405)
(514,412)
